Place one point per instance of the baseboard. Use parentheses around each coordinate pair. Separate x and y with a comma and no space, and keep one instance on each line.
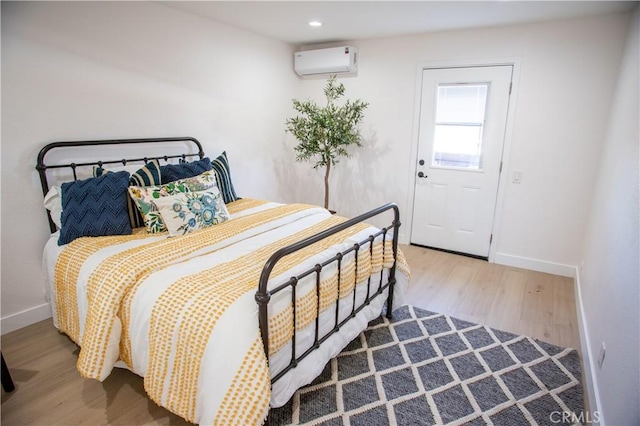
(587,357)
(535,265)
(27,317)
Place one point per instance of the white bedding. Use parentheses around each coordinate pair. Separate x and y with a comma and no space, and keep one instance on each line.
(220,360)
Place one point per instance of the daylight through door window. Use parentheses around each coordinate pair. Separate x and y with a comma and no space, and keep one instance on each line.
(460,117)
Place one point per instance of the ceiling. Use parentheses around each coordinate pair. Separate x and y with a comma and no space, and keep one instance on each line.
(352,20)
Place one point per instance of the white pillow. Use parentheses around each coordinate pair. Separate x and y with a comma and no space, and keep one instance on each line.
(53,203)
(186,212)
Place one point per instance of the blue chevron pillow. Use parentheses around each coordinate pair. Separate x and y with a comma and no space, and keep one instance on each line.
(95,207)
(148,175)
(173,172)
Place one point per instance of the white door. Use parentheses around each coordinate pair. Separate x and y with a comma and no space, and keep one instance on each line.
(463,116)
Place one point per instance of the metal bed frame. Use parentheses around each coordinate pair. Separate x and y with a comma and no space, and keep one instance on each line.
(263,295)
(42,168)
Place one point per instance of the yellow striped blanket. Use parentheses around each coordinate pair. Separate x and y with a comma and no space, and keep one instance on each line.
(181,312)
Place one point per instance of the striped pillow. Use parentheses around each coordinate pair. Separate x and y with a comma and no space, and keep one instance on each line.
(223,176)
(148,175)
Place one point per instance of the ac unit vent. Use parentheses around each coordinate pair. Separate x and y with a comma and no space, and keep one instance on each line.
(334,60)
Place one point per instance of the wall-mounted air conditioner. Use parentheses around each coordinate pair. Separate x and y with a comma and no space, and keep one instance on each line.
(334,60)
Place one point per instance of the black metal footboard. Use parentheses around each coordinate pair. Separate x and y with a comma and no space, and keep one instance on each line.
(263,295)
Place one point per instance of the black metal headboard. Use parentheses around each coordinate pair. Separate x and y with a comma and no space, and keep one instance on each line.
(42,167)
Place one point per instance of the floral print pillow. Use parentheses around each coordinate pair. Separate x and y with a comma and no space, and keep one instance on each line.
(186,212)
(145,197)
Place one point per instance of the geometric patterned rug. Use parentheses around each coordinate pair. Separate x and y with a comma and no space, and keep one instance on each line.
(424,368)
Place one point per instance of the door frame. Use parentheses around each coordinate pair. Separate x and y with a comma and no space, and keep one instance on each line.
(506,148)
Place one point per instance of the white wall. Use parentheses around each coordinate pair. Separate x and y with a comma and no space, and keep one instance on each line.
(94,70)
(567,75)
(610,279)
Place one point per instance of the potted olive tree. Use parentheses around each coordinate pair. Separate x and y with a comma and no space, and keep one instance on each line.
(326,132)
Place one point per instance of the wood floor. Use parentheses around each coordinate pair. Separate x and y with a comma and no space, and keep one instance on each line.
(49,390)
(511,299)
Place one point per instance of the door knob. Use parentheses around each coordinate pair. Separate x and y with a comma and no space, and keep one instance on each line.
(422,175)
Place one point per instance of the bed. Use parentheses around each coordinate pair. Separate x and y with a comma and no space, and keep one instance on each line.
(222,320)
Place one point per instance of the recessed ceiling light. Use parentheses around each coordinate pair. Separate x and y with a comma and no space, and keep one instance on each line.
(315,23)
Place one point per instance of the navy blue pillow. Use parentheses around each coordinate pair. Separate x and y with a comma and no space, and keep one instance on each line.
(173,172)
(148,175)
(95,207)
(223,176)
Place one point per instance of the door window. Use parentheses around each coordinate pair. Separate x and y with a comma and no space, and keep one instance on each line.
(460,116)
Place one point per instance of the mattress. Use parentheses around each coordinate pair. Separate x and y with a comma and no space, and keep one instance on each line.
(189,325)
